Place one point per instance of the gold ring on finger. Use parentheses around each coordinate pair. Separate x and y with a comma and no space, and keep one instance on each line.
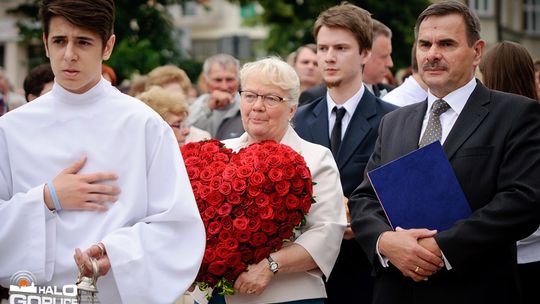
(416,269)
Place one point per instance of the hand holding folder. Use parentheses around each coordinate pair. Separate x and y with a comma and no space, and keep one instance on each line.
(420,190)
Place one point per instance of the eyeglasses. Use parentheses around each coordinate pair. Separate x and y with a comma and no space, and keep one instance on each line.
(268,100)
(180,125)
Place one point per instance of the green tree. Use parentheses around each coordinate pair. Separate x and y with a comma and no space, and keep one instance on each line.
(143,29)
(290,23)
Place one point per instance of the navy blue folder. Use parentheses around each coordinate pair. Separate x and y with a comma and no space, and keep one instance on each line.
(420,190)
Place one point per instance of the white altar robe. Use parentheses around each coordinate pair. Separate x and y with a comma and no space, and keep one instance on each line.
(153,234)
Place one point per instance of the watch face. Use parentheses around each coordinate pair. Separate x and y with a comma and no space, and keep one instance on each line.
(273,266)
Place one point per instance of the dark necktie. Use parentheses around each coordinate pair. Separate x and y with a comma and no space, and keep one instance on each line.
(335,137)
(433,130)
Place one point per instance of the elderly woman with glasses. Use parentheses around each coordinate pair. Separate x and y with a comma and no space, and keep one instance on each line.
(293,274)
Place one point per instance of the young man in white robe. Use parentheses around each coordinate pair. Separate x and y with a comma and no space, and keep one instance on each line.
(85,166)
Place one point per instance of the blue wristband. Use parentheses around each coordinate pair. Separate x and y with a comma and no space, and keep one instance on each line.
(54,197)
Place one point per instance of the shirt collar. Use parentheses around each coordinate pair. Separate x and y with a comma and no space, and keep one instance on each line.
(349,105)
(456,99)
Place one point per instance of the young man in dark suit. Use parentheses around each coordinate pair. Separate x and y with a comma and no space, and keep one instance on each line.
(346,120)
(492,140)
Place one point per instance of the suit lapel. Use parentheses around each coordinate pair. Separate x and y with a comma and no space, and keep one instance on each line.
(358,127)
(471,116)
(318,125)
(412,127)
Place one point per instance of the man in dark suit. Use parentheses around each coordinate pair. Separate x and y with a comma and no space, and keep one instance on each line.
(492,140)
(344,37)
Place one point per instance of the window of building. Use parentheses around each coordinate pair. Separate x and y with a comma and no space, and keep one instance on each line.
(483,8)
(531,16)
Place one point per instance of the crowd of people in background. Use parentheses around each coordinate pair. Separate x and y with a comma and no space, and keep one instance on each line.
(343,86)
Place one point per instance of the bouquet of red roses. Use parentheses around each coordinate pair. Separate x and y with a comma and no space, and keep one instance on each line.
(250,203)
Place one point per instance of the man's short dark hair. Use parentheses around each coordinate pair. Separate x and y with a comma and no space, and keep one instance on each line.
(445,8)
(94,15)
(348,17)
(36,80)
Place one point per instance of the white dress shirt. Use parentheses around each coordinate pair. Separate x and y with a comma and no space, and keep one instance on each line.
(349,105)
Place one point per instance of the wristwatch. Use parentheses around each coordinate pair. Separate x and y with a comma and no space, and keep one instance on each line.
(274,267)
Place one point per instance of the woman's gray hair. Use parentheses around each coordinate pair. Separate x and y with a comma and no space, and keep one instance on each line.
(276,72)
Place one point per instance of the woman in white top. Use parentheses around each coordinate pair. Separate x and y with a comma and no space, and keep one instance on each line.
(268,101)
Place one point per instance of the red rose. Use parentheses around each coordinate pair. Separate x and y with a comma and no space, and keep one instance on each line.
(292,202)
(262,200)
(215,198)
(221,157)
(242,235)
(240,223)
(218,166)
(253,191)
(239,185)
(280,214)
(233,259)
(209,213)
(258,239)
(275,174)
(215,182)
(244,171)
(192,161)
(206,174)
(269,227)
(303,171)
(209,255)
(209,148)
(204,191)
(225,188)
(193,172)
(254,224)
(288,171)
(298,185)
(224,209)
(217,268)
(238,212)
(282,187)
(227,222)
(252,211)
(224,235)
(229,173)
(256,179)
(295,218)
(222,250)
(231,243)
(273,160)
(276,200)
(234,198)
(214,227)
(307,200)
(289,156)
(266,212)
